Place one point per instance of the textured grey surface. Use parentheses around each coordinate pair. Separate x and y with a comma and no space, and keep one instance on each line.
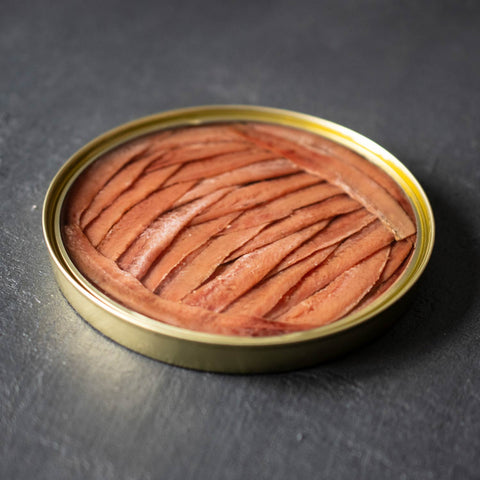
(75,405)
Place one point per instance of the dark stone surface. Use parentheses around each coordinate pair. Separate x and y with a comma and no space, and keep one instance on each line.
(75,405)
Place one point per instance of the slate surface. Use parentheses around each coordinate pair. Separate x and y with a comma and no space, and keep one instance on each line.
(75,405)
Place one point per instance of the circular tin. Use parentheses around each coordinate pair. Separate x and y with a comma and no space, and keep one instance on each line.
(221,353)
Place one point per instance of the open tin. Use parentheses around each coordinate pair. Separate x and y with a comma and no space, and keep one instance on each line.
(224,353)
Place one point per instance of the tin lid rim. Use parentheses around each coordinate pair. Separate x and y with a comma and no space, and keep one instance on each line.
(205,114)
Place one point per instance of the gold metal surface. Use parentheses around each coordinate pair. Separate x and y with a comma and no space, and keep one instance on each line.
(221,353)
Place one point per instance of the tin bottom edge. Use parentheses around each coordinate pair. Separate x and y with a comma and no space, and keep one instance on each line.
(226,358)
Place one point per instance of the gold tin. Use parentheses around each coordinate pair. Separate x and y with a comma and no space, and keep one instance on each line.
(221,353)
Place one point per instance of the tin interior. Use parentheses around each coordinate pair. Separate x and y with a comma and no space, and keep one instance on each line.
(151,337)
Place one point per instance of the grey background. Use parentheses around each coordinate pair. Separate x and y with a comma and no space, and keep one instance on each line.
(75,405)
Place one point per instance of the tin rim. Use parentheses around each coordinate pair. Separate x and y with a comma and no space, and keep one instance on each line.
(67,272)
